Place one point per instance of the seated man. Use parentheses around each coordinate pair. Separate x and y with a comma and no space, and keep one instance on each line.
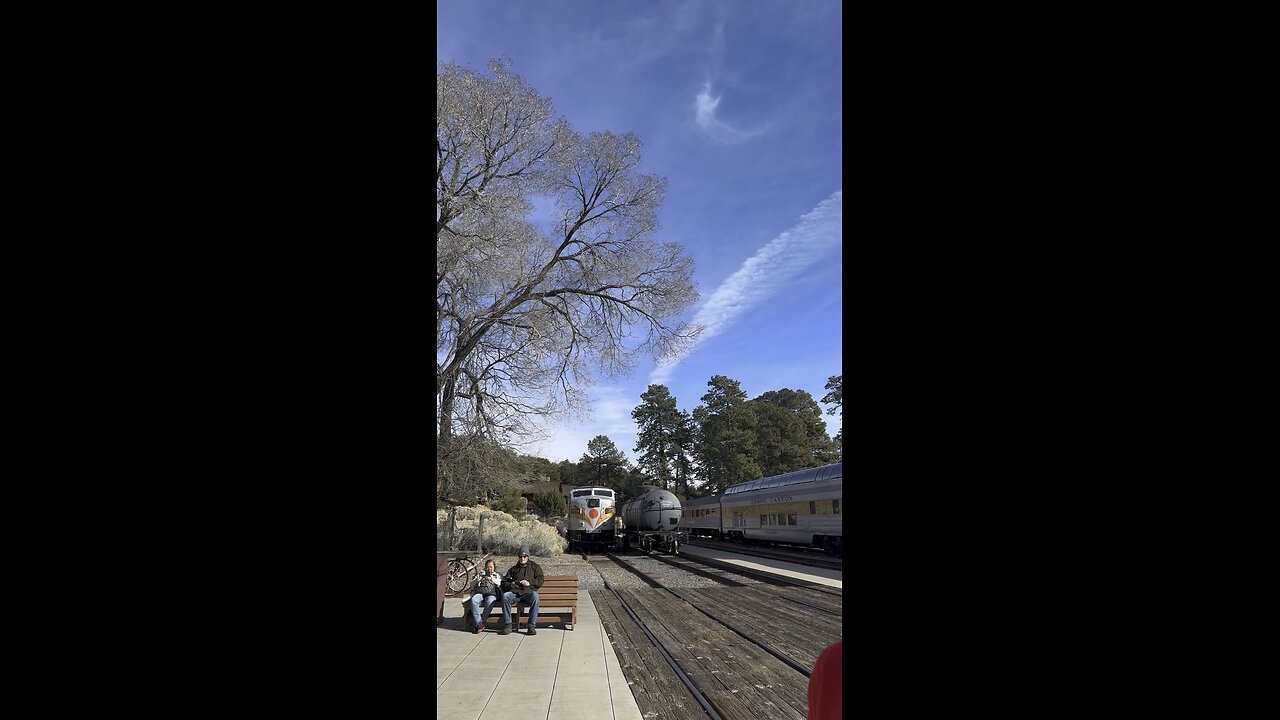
(522,582)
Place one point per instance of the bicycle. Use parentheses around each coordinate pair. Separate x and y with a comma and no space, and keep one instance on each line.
(462,570)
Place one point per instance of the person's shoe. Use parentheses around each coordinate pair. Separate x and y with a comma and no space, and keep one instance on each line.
(476,628)
(533,630)
(506,629)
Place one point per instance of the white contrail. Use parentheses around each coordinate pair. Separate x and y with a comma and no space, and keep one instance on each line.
(769,270)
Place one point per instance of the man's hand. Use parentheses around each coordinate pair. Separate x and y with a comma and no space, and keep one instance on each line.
(524,583)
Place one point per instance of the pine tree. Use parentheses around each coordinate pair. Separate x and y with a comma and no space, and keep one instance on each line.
(682,443)
(725,443)
(790,433)
(658,421)
(835,398)
(603,464)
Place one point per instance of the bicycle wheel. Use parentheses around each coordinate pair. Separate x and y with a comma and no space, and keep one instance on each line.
(459,576)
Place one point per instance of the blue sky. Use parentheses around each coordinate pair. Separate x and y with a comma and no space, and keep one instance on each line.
(738,105)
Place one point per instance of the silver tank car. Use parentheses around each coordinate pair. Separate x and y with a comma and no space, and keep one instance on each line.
(654,510)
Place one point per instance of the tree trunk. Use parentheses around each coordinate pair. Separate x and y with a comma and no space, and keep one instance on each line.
(445,435)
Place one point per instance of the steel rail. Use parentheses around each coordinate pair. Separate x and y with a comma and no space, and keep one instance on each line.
(748,636)
(693,689)
(767,577)
(825,563)
(698,571)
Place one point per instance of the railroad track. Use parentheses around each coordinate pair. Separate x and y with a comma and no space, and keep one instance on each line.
(688,683)
(731,646)
(734,626)
(815,559)
(765,678)
(724,572)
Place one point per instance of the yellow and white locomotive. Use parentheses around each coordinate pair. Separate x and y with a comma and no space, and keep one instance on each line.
(591,517)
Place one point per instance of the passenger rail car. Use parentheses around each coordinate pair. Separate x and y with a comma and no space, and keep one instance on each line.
(591,517)
(801,507)
(702,517)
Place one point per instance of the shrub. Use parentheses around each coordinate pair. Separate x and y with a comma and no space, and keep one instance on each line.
(503,534)
(511,503)
(550,504)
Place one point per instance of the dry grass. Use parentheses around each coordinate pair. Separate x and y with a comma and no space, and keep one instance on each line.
(503,534)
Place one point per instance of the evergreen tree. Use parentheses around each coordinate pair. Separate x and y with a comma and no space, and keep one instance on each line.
(658,421)
(835,399)
(631,485)
(682,444)
(725,442)
(568,472)
(550,505)
(790,433)
(603,464)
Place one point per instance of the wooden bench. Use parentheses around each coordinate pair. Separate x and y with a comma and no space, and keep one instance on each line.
(558,593)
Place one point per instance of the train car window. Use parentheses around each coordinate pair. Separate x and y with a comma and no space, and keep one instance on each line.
(761,521)
(593,502)
(791,519)
(580,493)
(813,508)
(671,520)
(835,507)
(606,493)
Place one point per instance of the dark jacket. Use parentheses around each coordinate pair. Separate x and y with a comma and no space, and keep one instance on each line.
(531,572)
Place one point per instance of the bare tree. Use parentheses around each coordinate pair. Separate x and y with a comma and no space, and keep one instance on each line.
(525,313)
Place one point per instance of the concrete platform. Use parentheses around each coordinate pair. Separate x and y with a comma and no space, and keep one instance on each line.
(821,576)
(556,674)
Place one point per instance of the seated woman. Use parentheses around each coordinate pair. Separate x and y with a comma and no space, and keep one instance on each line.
(486,590)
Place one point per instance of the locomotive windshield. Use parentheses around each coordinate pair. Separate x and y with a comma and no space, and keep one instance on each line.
(585,492)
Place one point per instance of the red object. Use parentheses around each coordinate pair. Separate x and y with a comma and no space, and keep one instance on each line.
(826,698)
(442,570)
(594,512)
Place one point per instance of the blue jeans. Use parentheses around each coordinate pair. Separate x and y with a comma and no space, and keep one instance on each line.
(509,599)
(475,601)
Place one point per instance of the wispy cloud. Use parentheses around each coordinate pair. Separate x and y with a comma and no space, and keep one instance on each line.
(610,415)
(763,274)
(704,112)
